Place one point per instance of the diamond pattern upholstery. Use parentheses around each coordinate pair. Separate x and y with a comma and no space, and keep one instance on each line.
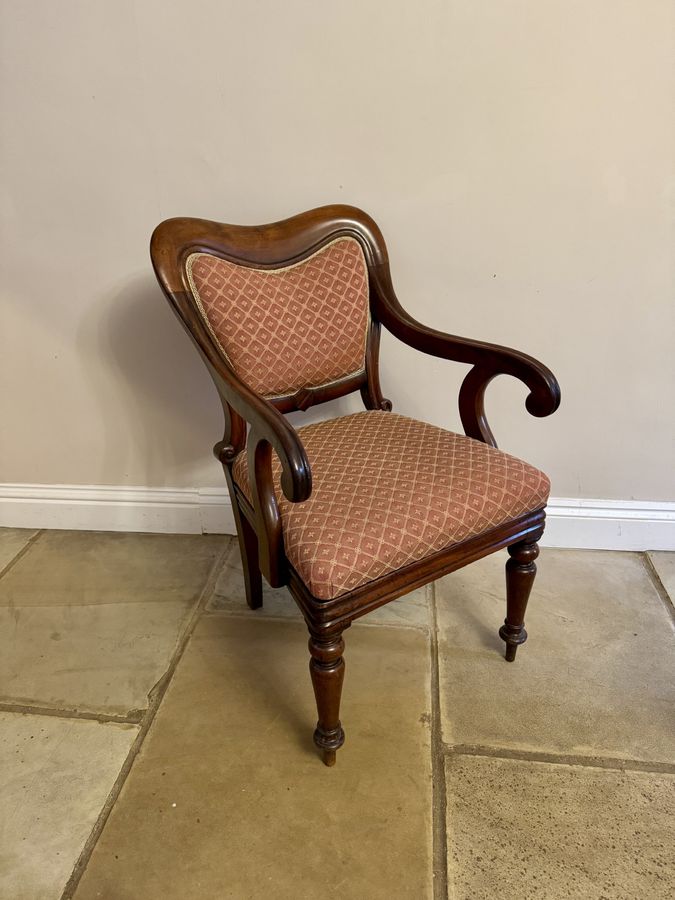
(389,491)
(285,329)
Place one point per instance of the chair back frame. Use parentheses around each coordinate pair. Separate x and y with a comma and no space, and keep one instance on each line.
(274,246)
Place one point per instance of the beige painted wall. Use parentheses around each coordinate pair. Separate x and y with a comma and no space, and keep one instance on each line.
(518,156)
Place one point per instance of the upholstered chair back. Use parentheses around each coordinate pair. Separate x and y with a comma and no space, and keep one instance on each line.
(282,330)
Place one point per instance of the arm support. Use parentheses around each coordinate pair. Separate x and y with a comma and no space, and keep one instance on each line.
(488,361)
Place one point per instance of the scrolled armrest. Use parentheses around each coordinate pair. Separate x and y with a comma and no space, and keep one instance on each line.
(488,361)
(269,425)
(268,431)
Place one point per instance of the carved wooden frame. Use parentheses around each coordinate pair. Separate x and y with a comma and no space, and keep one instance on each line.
(258,521)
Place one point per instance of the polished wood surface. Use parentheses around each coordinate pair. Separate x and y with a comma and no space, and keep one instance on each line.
(520,572)
(327,669)
(258,522)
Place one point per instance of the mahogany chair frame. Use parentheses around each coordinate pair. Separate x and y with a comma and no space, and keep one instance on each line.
(259,426)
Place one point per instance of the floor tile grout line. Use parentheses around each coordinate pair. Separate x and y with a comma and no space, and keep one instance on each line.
(560,759)
(438,786)
(22,552)
(156,696)
(134,717)
(659,586)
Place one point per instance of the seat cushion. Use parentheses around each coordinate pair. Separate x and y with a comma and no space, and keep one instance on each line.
(389,491)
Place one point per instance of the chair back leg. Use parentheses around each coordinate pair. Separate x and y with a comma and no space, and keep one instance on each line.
(248,547)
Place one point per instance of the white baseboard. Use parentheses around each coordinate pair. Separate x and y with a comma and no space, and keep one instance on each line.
(110,508)
(586,524)
(610,524)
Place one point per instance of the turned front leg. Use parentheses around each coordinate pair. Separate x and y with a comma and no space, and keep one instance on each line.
(327,668)
(520,572)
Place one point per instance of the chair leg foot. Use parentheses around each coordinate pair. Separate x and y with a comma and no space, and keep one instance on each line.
(520,572)
(512,642)
(327,668)
(248,546)
(329,757)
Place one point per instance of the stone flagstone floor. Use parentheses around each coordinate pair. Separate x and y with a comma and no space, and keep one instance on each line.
(155,734)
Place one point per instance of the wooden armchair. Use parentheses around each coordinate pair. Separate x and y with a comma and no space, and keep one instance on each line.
(356,511)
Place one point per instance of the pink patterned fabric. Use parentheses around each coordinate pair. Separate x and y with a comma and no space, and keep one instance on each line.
(285,329)
(388,491)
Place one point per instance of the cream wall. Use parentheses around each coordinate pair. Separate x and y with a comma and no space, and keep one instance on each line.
(517,155)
